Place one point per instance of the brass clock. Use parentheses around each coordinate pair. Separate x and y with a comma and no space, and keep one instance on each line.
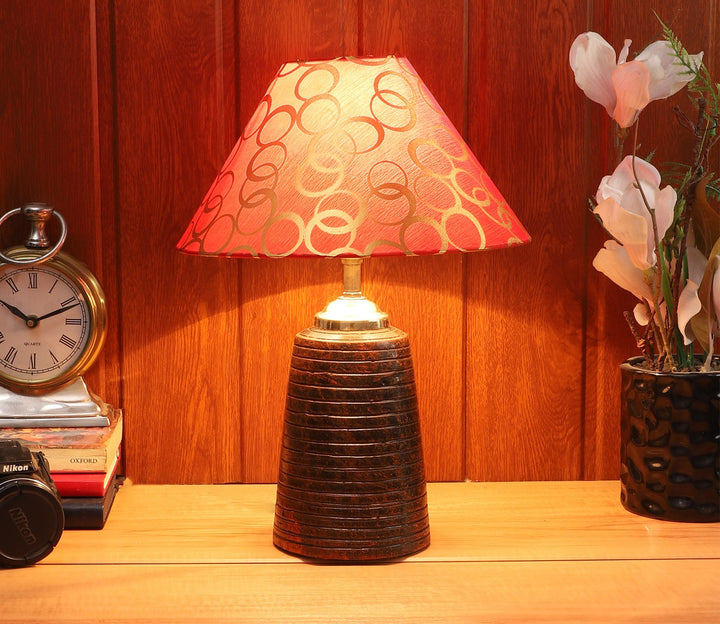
(52,318)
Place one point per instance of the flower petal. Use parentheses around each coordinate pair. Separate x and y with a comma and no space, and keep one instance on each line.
(646,172)
(631,82)
(665,209)
(623,178)
(688,306)
(614,262)
(715,296)
(630,229)
(705,324)
(696,264)
(667,74)
(641,312)
(592,59)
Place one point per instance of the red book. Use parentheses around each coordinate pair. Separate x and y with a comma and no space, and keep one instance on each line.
(84,484)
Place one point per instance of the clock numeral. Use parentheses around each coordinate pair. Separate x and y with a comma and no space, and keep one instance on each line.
(33,361)
(10,282)
(52,287)
(32,280)
(10,355)
(67,341)
(2,337)
(73,321)
(52,356)
(67,302)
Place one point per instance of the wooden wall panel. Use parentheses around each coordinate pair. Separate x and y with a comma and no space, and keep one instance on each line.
(49,138)
(180,314)
(525,305)
(120,112)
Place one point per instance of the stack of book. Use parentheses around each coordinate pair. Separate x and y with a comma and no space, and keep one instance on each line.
(83,464)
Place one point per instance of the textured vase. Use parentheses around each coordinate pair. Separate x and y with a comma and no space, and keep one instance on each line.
(670,444)
(351,485)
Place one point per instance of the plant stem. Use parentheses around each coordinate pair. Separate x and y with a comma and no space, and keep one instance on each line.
(659,257)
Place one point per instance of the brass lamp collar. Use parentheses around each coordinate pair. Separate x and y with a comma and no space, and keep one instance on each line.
(351,311)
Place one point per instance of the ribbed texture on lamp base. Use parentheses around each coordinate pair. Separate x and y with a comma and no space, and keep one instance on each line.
(351,485)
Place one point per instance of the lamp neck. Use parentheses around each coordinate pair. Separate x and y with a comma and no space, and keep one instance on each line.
(351,311)
(352,274)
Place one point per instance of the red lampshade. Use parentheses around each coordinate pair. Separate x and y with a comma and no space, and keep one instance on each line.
(350,157)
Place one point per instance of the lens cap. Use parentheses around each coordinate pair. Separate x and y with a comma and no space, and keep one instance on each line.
(31,521)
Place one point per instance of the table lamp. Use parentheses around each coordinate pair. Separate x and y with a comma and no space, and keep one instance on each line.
(350,158)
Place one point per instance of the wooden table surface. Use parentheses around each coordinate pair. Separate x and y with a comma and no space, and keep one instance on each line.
(501,552)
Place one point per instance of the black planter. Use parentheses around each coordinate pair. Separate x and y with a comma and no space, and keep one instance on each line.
(670,444)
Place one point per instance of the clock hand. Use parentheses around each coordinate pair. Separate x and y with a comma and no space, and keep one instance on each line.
(54,312)
(15,311)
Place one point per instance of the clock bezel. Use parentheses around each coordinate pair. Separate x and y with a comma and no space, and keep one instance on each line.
(83,279)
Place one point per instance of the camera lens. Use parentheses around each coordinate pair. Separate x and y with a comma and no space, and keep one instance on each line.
(31,521)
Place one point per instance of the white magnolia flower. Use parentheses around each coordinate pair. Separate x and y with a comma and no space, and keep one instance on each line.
(625,87)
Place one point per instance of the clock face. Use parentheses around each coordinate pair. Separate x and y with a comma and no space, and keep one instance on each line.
(46,324)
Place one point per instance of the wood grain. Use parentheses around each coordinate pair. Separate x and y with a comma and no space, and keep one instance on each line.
(105,377)
(472,592)
(49,147)
(180,315)
(501,552)
(525,305)
(518,521)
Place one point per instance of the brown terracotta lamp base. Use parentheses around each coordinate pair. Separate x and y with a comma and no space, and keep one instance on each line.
(351,485)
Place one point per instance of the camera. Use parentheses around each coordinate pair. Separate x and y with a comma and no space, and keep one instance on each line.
(31,513)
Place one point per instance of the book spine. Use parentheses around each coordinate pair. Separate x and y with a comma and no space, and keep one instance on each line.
(79,460)
(91,490)
(83,484)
